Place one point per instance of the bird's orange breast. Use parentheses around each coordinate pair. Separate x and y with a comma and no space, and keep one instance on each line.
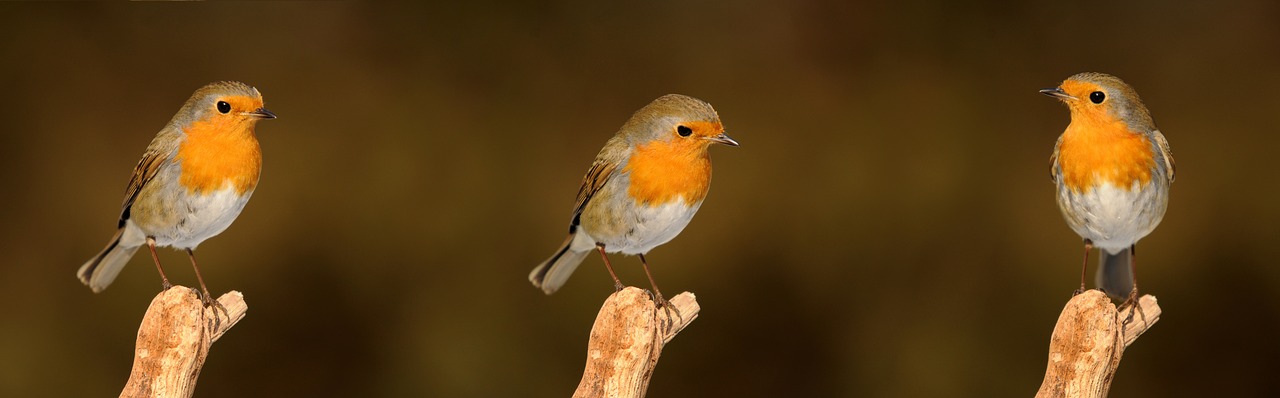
(661,171)
(1093,152)
(218,152)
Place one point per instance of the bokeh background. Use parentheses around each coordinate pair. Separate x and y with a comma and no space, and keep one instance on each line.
(886,229)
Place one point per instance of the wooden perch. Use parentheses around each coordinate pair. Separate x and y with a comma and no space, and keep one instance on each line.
(174,340)
(627,339)
(1088,341)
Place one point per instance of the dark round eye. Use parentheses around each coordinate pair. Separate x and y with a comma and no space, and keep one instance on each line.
(224,107)
(684,131)
(1097,97)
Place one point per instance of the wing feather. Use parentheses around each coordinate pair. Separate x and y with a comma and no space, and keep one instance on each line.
(157,155)
(599,174)
(1171,169)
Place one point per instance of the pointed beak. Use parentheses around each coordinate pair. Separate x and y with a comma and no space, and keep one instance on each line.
(722,139)
(1056,92)
(261,113)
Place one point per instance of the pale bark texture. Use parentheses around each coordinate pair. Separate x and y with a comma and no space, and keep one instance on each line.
(1088,341)
(174,340)
(626,340)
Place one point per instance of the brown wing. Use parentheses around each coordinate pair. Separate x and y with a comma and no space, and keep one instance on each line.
(596,177)
(1053,160)
(1171,169)
(143,173)
(162,148)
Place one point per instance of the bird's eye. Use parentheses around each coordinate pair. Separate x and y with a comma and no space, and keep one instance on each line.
(224,107)
(684,131)
(1097,97)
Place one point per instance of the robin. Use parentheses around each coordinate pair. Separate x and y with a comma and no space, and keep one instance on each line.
(191,183)
(642,190)
(1113,170)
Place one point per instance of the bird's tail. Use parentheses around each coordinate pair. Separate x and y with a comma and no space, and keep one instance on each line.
(554,272)
(1115,276)
(100,270)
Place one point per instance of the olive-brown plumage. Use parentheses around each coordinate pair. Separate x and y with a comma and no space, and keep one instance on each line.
(192,182)
(1112,169)
(643,188)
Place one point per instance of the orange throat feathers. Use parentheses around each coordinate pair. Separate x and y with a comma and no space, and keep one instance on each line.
(218,153)
(662,171)
(1097,149)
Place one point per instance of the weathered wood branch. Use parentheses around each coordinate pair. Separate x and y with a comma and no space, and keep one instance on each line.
(174,340)
(627,339)
(1088,342)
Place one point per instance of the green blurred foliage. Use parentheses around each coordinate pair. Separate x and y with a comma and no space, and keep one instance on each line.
(887,228)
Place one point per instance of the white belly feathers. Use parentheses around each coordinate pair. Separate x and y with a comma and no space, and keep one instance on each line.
(1114,218)
(654,225)
(203,217)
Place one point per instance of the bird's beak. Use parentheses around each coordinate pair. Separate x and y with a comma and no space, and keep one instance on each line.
(1056,92)
(722,139)
(261,113)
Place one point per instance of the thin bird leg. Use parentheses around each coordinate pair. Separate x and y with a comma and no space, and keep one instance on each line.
(164,280)
(1132,301)
(208,298)
(617,283)
(662,301)
(1088,244)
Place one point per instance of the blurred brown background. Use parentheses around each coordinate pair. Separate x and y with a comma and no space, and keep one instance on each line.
(887,228)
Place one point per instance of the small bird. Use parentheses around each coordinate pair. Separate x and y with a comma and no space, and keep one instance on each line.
(642,189)
(191,183)
(1113,169)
